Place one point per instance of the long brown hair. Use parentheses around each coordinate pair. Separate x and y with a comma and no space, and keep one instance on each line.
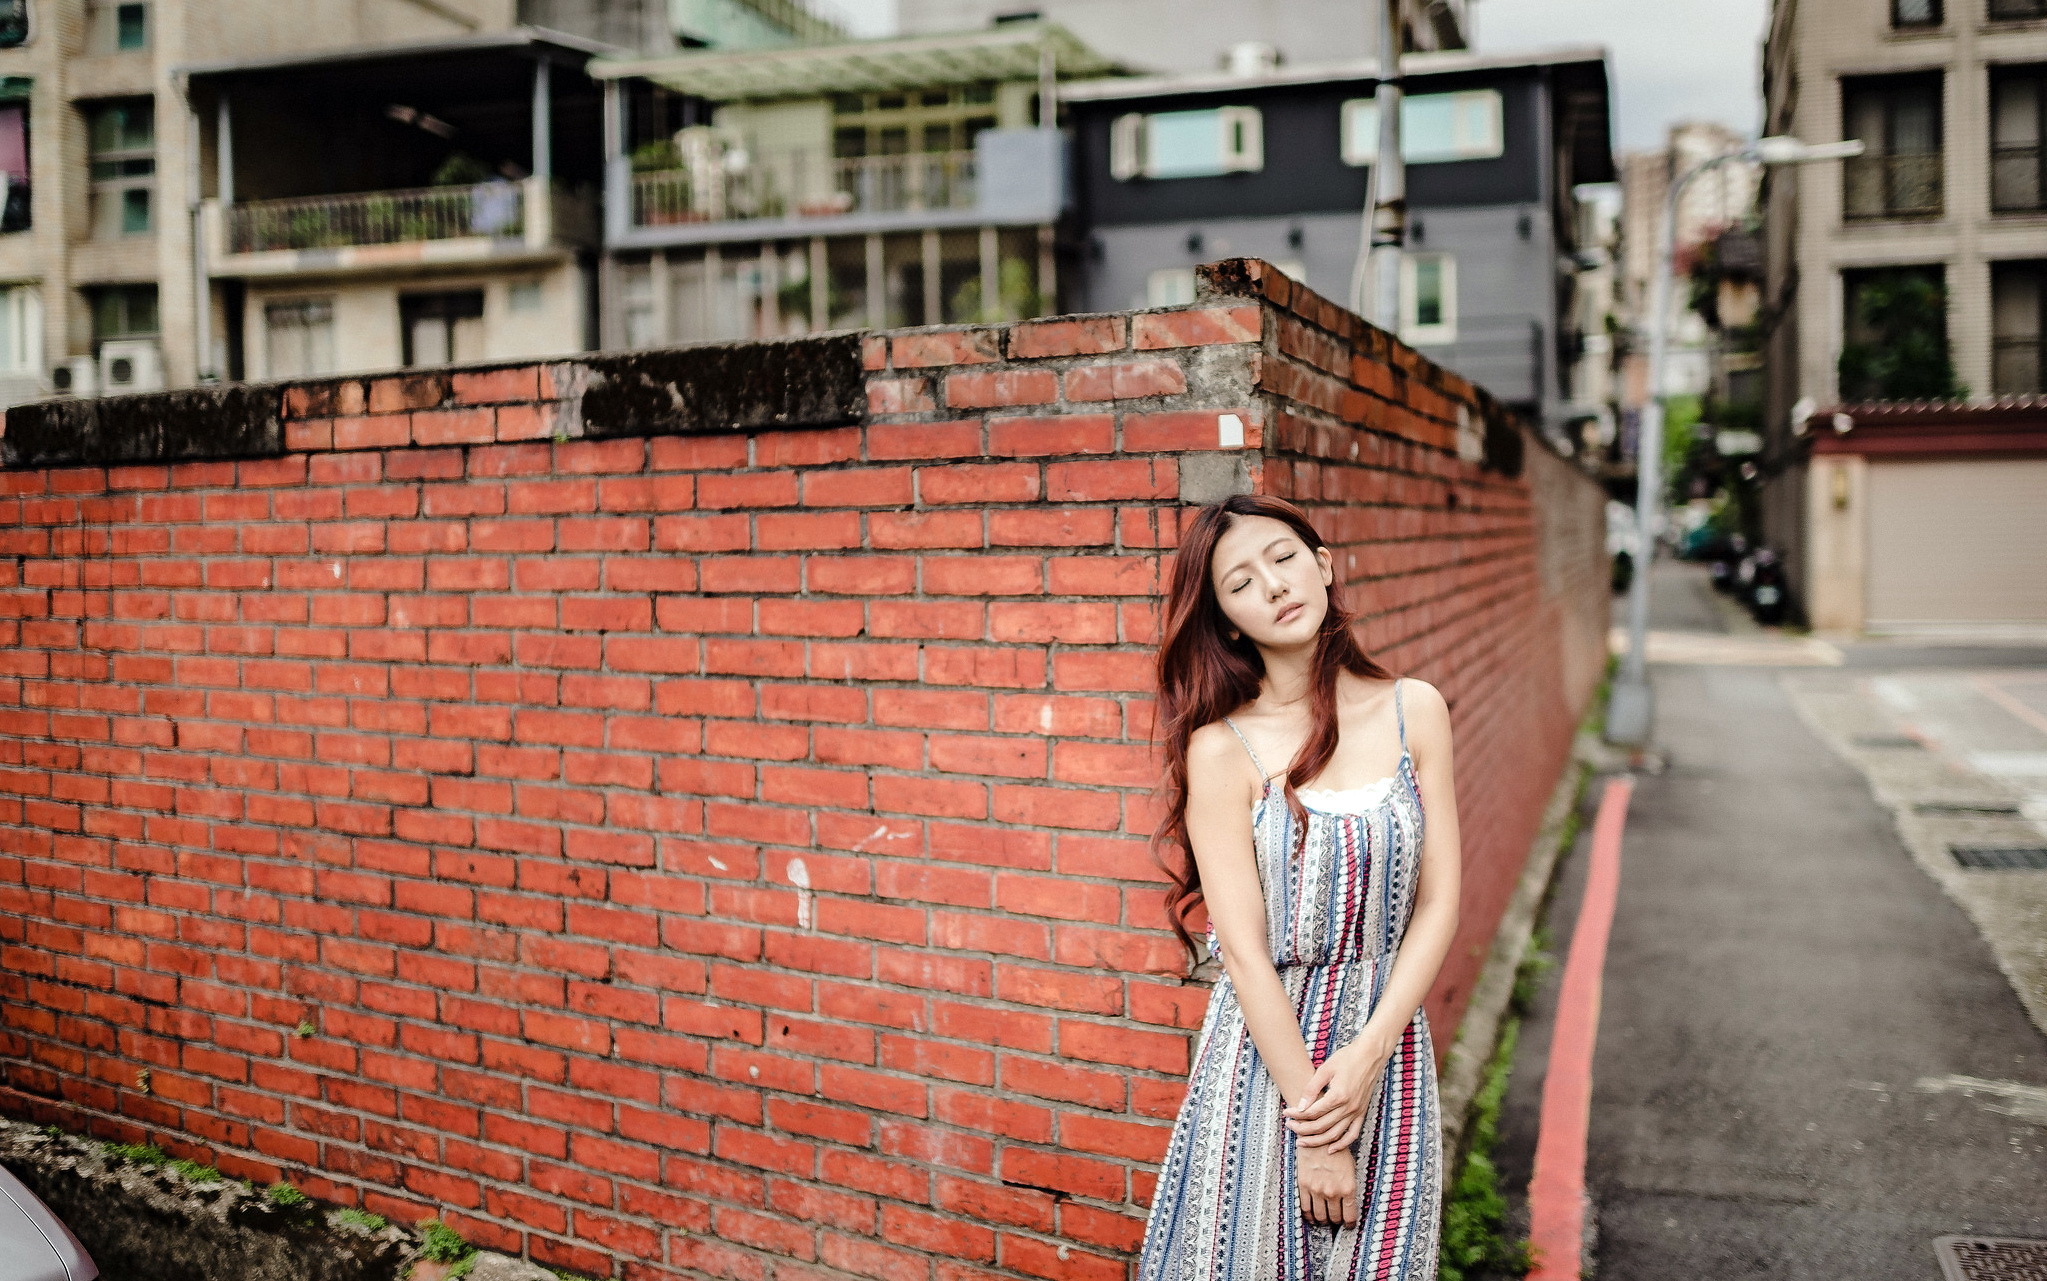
(1203,676)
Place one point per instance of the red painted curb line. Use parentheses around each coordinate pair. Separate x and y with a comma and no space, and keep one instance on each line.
(1556,1193)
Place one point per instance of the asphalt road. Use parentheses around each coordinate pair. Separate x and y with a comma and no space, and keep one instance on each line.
(1784,991)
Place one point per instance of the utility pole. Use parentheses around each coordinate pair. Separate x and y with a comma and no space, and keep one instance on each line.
(1375,284)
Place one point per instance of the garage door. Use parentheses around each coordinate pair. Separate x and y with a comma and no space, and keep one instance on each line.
(1957,542)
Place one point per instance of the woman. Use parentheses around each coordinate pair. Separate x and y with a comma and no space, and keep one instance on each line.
(1308,1147)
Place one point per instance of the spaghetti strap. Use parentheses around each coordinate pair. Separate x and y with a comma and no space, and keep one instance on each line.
(1399,713)
(1255,762)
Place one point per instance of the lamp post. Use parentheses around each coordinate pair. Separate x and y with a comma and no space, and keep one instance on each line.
(1631,714)
(1375,282)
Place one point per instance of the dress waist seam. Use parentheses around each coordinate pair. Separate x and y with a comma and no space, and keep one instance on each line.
(1372,959)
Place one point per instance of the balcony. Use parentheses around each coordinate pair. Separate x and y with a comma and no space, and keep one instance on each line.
(1899,186)
(1011,176)
(378,229)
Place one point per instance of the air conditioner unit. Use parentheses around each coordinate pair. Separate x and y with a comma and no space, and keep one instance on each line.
(130,364)
(77,376)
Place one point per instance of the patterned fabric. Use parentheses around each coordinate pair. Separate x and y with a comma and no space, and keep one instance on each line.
(1227,1206)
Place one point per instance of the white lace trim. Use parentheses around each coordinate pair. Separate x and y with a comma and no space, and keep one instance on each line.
(1347,800)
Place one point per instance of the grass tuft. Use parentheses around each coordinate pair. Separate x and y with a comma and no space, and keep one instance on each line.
(363,1219)
(195,1172)
(1474,1212)
(135,1153)
(440,1243)
(286,1197)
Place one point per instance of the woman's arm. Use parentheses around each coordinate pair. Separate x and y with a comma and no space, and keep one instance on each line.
(1219,802)
(1338,1116)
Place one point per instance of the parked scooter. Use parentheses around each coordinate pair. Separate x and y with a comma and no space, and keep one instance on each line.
(1766,596)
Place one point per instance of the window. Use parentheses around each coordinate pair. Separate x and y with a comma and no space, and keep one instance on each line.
(299,337)
(1916,13)
(1897,118)
(2017,10)
(1894,335)
(21,330)
(1169,287)
(14,205)
(1434,127)
(2018,97)
(116,26)
(2017,299)
(123,142)
(123,311)
(1187,144)
(13,23)
(442,328)
(1428,299)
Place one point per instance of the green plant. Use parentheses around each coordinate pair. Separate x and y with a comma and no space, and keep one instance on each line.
(363,1219)
(655,156)
(1474,1211)
(459,169)
(1538,960)
(440,1243)
(286,1197)
(54,1131)
(1899,347)
(135,1153)
(195,1172)
(304,1029)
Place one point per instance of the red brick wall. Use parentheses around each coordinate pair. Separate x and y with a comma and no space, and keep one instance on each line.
(715,854)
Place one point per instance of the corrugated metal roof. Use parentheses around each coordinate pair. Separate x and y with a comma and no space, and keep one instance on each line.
(1007,52)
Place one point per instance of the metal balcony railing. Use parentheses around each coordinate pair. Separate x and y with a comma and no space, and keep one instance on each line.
(1900,186)
(494,209)
(2015,179)
(780,185)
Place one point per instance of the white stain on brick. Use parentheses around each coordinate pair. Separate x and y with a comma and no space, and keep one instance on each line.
(799,876)
(1229,432)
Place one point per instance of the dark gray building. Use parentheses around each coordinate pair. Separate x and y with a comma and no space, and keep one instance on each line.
(1171,171)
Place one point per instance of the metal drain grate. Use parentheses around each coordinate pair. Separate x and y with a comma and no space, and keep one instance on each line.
(1991,1259)
(1887,740)
(1964,807)
(2002,858)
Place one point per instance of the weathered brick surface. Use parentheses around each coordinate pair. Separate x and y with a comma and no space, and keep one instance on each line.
(711,855)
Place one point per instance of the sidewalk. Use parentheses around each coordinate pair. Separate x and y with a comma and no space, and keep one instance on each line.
(1788,1001)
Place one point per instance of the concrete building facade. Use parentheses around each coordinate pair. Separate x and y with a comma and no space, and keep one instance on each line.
(1914,272)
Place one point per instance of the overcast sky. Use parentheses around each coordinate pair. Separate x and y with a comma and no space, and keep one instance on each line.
(1673,59)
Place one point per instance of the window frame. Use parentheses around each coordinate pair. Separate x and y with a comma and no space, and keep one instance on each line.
(1939,18)
(1412,331)
(305,305)
(120,186)
(103,27)
(1240,144)
(2001,273)
(1360,140)
(1889,89)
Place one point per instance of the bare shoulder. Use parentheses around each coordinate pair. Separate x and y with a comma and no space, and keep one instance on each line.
(1428,713)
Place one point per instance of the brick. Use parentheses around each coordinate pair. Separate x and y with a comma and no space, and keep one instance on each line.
(1085,336)
(994,389)
(495,386)
(923,440)
(899,396)
(945,347)
(1153,331)
(986,483)
(1059,434)
(1123,478)
(1130,381)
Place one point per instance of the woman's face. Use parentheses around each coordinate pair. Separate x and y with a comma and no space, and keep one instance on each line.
(1272,587)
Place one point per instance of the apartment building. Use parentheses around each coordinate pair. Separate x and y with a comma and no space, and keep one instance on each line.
(882,183)
(229,188)
(1906,310)
(1274,161)
(101,157)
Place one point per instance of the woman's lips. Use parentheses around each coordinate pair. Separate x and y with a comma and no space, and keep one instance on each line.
(1286,615)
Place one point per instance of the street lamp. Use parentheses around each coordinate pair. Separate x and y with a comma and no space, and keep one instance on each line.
(1631,714)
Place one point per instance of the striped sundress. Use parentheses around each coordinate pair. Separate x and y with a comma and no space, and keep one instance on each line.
(1227,1206)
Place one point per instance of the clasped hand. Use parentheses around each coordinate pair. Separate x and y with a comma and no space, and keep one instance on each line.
(1340,1094)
